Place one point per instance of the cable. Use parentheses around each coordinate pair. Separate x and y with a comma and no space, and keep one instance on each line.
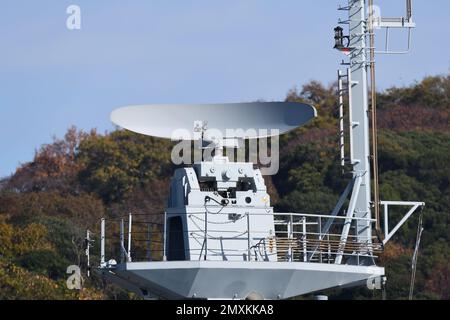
(416,255)
(223,203)
(376,194)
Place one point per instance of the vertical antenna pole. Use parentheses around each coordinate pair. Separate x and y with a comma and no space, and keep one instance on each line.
(122,241)
(409,10)
(88,244)
(102,242)
(129,237)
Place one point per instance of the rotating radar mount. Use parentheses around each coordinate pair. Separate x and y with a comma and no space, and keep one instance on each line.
(220,237)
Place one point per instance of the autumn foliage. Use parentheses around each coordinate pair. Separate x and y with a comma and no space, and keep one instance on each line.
(47,204)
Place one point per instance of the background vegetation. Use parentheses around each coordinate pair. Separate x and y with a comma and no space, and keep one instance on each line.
(48,203)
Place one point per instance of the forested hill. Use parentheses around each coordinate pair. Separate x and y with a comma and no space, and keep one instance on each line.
(47,204)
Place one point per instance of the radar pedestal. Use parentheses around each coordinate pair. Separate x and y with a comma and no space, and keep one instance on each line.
(219,210)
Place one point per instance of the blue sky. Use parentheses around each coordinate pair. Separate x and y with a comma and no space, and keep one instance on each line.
(175,51)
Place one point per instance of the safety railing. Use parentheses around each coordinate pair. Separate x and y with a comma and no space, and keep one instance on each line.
(296,237)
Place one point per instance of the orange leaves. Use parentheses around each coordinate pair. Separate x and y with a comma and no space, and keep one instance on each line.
(54,165)
(15,241)
(394,250)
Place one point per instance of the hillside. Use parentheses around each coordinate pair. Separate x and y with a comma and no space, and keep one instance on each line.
(48,203)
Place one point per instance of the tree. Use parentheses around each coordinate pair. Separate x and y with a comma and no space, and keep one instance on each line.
(115,164)
(54,167)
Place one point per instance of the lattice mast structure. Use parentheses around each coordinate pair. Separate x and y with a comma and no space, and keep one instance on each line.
(362,21)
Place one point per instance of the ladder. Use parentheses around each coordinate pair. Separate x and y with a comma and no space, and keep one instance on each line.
(345,84)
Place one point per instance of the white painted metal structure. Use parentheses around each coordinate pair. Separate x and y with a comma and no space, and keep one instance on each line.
(165,121)
(220,237)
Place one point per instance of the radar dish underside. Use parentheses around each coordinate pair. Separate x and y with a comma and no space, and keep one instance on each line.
(251,118)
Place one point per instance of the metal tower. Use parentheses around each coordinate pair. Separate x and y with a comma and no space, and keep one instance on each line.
(362,21)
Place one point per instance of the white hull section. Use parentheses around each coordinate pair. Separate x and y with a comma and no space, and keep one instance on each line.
(233,279)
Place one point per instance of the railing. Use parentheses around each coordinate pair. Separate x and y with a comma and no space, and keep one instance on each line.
(296,238)
(318,238)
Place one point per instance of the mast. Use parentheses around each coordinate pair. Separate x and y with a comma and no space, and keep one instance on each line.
(359,109)
(362,120)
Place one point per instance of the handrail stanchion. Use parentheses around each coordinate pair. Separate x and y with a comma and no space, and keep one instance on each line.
(165,236)
(248,237)
(305,254)
(205,240)
(289,237)
(329,249)
(320,239)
